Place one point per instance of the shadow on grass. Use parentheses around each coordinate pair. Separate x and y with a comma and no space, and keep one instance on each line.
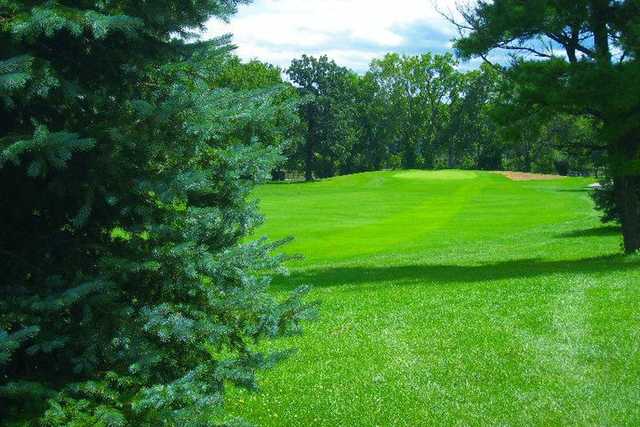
(610,230)
(291,182)
(444,274)
(574,190)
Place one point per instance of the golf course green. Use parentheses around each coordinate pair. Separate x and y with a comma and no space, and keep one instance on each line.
(451,297)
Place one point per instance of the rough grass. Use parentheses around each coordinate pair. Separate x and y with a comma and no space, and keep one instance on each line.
(452,298)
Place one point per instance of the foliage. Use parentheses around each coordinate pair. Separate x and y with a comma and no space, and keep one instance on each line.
(597,74)
(374,149)
(250,75)
(556,144)
(406,111)
(327,111)
(422,112)
(417,91)
(129,294)
(604,199)
(471,136)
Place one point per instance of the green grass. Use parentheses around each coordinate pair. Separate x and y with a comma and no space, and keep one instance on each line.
(452,298)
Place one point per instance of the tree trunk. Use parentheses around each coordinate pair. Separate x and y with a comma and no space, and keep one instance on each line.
(308,162)
(626,182)
(309,149)
(627,192)
(600,15)
(451,156)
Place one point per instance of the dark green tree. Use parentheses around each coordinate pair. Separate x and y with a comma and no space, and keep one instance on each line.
(254,75)
(129,296)
(575,57)
(327,109)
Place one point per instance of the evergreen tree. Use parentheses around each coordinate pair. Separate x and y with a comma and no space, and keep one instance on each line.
(129,296)
(575,57)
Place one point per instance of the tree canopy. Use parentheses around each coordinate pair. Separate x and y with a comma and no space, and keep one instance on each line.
(422,111)
(579,58)
(327,110)
(127,152)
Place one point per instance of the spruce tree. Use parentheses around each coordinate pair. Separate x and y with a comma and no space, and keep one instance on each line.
(130,295)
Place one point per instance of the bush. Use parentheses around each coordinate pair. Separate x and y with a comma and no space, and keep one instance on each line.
(604,199)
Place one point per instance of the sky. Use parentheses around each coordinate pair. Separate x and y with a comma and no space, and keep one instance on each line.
(351,32)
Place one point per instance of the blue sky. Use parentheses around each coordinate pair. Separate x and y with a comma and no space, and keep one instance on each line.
(352,32)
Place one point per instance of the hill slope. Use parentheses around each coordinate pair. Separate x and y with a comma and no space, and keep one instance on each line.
(453,297)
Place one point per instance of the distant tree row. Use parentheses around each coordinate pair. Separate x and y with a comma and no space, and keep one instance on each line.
(423,112)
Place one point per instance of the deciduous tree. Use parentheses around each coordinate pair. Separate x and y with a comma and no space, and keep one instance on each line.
(327,109)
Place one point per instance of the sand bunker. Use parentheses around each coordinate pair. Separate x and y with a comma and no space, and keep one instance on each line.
(524,176)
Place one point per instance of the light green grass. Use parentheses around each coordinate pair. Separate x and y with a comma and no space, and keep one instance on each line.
(452,297)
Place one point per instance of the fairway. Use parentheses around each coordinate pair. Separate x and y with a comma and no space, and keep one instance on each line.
(452,297)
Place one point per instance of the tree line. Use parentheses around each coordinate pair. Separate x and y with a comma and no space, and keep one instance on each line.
(423,112)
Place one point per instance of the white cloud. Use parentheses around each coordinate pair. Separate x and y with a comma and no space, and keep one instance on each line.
(350,31)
